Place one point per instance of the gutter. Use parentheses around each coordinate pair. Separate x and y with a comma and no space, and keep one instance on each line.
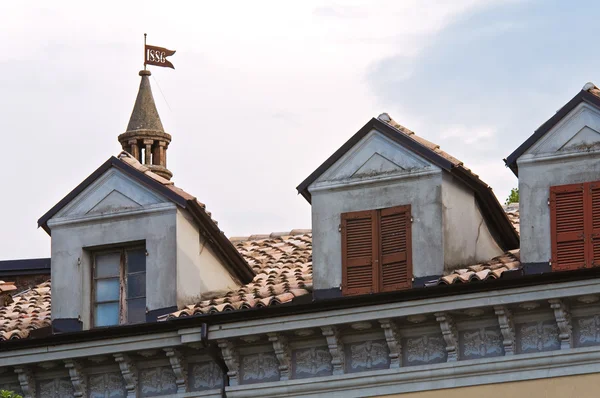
(509,280)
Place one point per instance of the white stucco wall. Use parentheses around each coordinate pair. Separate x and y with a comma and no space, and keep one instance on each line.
(71,243)
(467,238)
(567,154)
(199,270)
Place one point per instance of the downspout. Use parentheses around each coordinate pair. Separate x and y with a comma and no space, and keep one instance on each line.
(213,352)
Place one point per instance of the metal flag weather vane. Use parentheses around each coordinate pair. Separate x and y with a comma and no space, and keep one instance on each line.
(156,56)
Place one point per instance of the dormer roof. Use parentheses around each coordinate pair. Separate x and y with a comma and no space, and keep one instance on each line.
(589,94)
(142,174)
(499,224)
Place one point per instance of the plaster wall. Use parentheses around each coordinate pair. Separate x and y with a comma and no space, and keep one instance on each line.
(422,192)
(467,239)
(199,270)
(581,386)
(72,245)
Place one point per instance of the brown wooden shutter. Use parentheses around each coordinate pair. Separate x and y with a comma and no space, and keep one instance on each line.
(567,224)
(395,248)
(594,202)
(359,237)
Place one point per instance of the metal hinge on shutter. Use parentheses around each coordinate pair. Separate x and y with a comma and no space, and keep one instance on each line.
(340,228)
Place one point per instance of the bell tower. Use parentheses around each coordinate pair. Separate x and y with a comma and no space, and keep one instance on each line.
(145,138)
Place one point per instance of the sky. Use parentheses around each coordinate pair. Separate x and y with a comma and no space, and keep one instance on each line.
(264,91)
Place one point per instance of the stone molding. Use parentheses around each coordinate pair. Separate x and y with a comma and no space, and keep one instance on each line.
(26,380)
(336,348)
(563,320)
(232,360)
(392,337)
(179,366)
(282,352)
(449,333)
(129,372)
(78,377)
(507,328)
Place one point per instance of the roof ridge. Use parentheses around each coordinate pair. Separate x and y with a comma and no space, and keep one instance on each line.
(272,235)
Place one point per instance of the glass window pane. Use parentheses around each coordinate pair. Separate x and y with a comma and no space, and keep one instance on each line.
(136,310)
(136,285)
(136,260)
(107,264)
(107,314)
(107,290)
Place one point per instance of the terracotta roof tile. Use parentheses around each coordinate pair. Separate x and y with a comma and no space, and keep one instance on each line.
(29,310)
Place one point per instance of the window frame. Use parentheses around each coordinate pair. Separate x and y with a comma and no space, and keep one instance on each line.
(123,282)
(376,262)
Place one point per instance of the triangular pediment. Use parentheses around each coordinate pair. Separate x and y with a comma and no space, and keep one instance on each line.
(115,201)
(112,192)
(579,130)
(373,157)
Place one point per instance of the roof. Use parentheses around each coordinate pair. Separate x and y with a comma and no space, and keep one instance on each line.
(29,266)
(497,221)
(282,262)
(589,94)
(133,168)
(29,310)
(144,115)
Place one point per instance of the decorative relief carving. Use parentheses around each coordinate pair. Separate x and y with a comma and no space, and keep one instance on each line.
(425,350)
(336,348)
(26,380)
(157,381)
(106,385)
(367,355)
(205,376)
(482,342)
(129,373)
(563,320)
(260,367)
(588,331)
(231,358)
(282,352)
(392,337)
(538,336)
(312,362)
(77,378)
(449,334)
(179,367)
(55,388)
(507,328)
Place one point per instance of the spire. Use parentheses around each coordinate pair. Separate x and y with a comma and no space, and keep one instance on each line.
(145,138)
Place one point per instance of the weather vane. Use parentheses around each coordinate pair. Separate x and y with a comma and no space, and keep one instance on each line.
(156,56)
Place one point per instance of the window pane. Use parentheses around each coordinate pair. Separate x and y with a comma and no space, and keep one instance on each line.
(136,310)
(107,264)
(136,285)
(107,290)
(107,314)
(136,260)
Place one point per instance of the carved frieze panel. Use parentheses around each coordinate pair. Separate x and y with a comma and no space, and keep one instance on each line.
(311,362)
(367,355)
(259,368)
(107,385)
(537,336)
(55,388)
(205,376)
(425,349)
(587,331)
(481,342)
(157,381)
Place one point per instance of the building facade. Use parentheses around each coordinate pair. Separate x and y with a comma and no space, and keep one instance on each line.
(414,281)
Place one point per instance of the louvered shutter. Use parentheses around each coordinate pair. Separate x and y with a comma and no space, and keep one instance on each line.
(358,252)
(394,250)
(567,223)
(594,202)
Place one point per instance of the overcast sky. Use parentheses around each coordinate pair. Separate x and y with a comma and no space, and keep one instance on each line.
(265,91)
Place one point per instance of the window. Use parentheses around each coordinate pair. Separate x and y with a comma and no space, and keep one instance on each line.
(575,226)
(376,250)
(119,288)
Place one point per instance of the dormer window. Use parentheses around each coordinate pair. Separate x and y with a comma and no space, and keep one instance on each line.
(575,226)
(376,250)
(119,287)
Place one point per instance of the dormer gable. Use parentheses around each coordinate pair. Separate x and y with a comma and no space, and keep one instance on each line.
(559,175)
(391,210)
(125,225)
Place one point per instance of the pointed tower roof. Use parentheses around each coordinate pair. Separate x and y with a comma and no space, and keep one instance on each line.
(144,115)
(145,138)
